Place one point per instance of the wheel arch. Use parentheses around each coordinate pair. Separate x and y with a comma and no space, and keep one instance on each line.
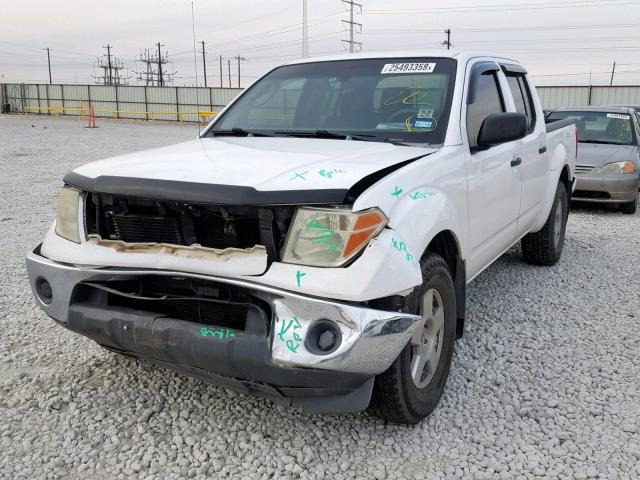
(565,178)
(446,245)
(562,175)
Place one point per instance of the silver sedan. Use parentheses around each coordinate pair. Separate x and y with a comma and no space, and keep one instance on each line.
(608,163)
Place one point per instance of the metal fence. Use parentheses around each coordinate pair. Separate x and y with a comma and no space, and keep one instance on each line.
(554,97)
(193,103)
(122,101)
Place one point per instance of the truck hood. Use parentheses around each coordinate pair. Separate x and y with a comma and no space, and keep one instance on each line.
(257,166)
(597,154)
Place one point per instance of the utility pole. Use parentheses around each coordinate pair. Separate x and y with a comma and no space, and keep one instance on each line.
(238,57)
(221,86)
(352,25)
(204,64)
(613,71)
(229,66)
(48,62)
(160,76)
(447,42)
(108,47)
(305,31)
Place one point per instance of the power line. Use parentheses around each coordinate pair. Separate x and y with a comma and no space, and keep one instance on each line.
(410,30)
(352,25)
(501,7)
(269,33)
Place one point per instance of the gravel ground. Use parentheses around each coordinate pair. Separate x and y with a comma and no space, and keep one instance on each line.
(544,383)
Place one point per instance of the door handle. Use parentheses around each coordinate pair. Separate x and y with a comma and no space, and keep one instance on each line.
(542,150)
(516,161)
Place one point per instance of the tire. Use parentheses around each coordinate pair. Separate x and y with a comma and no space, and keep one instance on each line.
(397,396)
(545,247)
(630,207)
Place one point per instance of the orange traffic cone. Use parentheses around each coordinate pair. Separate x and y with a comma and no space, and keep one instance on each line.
(91,119)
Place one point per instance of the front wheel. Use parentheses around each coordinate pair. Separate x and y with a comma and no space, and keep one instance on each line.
(630,207)
(411,387)
(545,247)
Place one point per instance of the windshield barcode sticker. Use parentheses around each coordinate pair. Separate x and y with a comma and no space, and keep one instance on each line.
(408,68)
(618,115)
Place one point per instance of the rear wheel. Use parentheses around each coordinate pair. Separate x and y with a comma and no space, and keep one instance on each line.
(411,387)
(545,247)
(629,208)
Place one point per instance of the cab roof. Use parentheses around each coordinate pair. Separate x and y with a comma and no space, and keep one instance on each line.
(459,55)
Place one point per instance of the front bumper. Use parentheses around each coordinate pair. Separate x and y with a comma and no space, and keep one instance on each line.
(272,360)
(604,188)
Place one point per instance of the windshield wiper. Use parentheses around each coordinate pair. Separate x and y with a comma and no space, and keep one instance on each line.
(604,142)
(239,132)
(338,135)
(324,134)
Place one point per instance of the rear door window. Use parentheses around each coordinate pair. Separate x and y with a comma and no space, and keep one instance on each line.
(522,97)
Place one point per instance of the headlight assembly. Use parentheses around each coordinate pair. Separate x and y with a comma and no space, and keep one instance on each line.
(330,237)
(617,167)
(67,214)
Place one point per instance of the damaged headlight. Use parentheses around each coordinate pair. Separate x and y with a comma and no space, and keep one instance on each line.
(330,237)
(67,214)
(617,167)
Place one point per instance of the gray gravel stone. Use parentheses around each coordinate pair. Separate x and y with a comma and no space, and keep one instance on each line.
(544,383)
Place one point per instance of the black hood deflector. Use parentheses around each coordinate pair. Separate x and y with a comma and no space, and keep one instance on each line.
(211,194)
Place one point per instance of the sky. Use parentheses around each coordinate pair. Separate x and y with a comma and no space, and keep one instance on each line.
(562,42)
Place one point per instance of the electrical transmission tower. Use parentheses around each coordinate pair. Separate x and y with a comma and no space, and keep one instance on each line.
(447,42)
(111,69)
(353,25)
(155,73)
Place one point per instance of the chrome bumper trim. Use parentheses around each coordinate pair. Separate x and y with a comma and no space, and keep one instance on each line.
(371,339)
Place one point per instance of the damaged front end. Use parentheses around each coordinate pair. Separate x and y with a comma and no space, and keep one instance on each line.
(204,289)
(298,350)
(126,223)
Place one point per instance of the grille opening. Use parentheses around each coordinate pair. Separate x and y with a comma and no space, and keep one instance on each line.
(590,194)
(584,169)
(178,298)
(218,314)
(135,220)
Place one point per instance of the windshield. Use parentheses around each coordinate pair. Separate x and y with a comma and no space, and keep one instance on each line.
(398,100)
(600,127)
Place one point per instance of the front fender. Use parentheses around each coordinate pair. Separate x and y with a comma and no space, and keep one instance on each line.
(423,199)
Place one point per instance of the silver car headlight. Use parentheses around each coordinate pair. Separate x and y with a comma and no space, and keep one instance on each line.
(617,167)
(323,237)
(67,214)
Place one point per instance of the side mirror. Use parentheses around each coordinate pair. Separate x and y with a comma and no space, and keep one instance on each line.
(502,127)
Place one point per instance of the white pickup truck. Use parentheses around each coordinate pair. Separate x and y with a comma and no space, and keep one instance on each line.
(313,245)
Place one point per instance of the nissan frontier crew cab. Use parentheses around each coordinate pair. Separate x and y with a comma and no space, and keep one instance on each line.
(313,245)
